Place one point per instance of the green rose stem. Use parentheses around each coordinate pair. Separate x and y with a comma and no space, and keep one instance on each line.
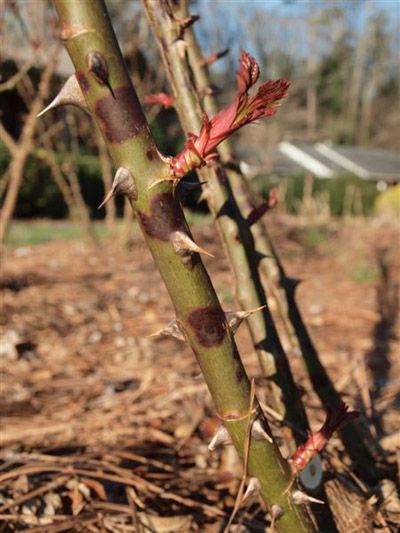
(282,393)
(112,101)
(280,286)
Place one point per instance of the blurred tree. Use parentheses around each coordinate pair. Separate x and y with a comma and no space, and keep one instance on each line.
(375,70)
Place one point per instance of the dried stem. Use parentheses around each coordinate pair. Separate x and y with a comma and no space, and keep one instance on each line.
(280,286)
(233,227)
(86,28)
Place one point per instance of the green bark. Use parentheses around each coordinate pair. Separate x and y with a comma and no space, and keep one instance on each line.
(112,101)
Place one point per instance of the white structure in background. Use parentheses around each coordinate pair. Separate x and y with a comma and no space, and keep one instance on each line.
(342,161)
(327,161)
(305,160)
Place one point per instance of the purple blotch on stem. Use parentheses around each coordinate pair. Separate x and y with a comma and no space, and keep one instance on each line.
(165,217)
(121,116)
(209,325)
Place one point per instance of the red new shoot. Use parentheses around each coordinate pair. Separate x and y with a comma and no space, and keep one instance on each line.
(316,442)
(244,109)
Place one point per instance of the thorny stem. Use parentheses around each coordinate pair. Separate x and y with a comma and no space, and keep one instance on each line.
(280,286)
(234,229)
(113,103)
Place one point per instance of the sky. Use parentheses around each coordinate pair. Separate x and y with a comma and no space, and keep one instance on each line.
(228,19)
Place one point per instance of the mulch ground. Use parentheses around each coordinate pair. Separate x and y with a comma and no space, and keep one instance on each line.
(105,427)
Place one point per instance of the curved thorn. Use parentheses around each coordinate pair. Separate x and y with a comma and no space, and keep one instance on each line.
(276,514)
(299,498)
(184,245)
(221,437)
(157,182)
(235,318)
(124,184)
(253,489)
(172,329)
(70,94)
(107,198)
(259,433)
(213,57)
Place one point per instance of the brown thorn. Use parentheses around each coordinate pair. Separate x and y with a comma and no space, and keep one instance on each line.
(123,184)
(184,245)
(70,94)
(213,57)
(180,25)
(172,329)
(235,318)
(109,195)
(187,21)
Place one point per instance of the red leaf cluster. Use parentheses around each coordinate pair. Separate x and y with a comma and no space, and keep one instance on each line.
(243,110)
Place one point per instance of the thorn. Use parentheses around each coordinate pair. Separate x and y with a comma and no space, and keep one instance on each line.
(97,64)
(172,329)
(162,180)
(235,318)
(259,433)
(123,184)
(276,514)
(107,198)
(299,498)
(221,438)
(253,489)
(182,47)
(187,21)
(180,25)
(184,245)
(213,57)
(71,94)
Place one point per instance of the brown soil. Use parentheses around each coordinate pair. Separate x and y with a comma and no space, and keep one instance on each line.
(105,428)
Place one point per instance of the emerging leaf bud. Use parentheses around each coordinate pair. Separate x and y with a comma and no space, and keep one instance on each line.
(243,110)
(316,442)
